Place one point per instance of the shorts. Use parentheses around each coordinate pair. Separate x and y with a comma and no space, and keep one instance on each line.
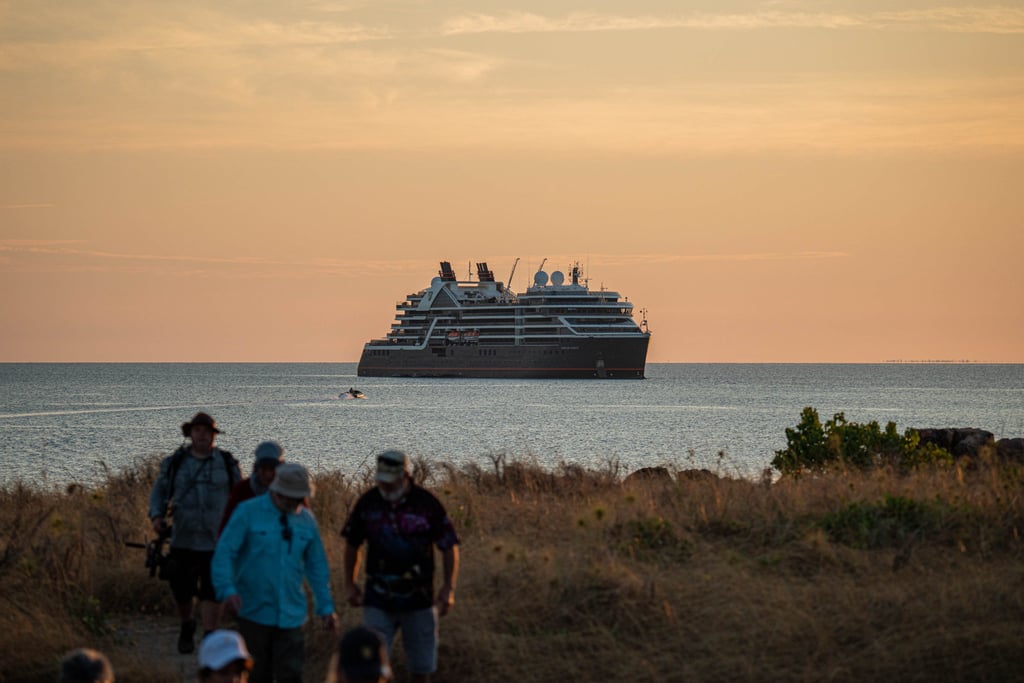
(190,575)
(419,635)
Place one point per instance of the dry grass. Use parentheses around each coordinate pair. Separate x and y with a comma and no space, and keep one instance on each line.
(568,574)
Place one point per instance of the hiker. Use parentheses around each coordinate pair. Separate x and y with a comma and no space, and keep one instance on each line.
(361,657)
(192,489)
(85,665)
(269,454)
(269,545)
(401,522)
(223,658)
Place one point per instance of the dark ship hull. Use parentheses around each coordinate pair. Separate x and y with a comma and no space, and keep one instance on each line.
(579,359)
(479,328)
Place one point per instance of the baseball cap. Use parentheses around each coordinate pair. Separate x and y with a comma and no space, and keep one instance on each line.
(362,655)
(85,665)
(392,466)
(220,648)
(269,450)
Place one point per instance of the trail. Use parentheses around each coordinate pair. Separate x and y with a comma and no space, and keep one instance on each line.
(150,643)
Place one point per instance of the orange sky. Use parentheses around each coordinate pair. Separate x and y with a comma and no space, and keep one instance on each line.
(783,181)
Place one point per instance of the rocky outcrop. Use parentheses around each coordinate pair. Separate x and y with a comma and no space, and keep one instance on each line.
(649,474)
(960,441)
(697,475)
(1011,450)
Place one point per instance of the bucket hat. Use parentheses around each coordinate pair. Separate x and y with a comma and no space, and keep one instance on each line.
(292,481)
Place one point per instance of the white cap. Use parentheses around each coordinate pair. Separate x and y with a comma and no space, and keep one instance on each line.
(220,648)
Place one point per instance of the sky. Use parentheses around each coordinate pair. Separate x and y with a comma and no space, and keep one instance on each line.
(772,181)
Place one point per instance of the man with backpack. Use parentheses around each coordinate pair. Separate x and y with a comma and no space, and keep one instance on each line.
(191,490)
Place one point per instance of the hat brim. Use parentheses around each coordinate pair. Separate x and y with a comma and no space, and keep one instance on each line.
(288,492)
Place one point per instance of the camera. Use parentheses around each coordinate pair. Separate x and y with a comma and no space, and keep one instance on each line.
(156,556)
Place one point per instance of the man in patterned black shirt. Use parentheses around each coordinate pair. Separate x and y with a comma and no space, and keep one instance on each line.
(401,522)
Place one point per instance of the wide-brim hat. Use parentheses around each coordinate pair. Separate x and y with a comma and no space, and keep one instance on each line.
(220,648)
(392,466)
(291,480)
(200,418)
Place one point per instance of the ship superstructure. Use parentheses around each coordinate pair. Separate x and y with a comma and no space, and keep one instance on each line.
(480,328)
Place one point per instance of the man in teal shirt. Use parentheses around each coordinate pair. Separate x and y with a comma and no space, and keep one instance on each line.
(270,545)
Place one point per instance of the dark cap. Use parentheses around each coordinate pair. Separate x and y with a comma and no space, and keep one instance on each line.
(392,466)
(203,419)
(269,452)
(85,666)
(363,655)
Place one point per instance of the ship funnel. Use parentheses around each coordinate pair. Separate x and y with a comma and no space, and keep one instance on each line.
(483,273)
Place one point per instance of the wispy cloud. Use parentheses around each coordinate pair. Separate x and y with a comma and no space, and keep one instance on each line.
(26,206)
(946,19)
(70,256)
(663,259)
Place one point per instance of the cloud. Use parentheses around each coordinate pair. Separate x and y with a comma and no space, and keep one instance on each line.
(947,19)
(26,206)
(68,256)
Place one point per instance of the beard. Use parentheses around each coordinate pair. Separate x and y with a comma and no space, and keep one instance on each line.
(395,495)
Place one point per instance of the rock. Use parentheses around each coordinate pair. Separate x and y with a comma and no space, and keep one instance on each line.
(1011,450)
(960,441)
(698,475)
(649,474)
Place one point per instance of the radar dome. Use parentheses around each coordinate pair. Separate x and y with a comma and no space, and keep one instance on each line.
(436,282)
(540,279)
(557,278)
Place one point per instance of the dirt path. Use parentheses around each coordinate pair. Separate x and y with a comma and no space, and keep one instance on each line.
(149,645)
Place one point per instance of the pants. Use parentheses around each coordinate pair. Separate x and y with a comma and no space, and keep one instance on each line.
(278,654)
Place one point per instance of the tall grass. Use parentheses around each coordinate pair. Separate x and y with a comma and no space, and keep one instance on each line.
(571,574)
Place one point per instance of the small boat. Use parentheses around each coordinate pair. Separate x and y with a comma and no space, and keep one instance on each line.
(351,394)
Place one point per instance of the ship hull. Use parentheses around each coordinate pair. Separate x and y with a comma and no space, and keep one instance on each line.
(587,358)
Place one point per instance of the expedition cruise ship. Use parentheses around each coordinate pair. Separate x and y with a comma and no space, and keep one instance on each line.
(480,328)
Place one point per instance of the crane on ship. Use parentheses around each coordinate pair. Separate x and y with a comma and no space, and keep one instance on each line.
(508,284)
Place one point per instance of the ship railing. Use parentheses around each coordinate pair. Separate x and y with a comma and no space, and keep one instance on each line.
(403,345)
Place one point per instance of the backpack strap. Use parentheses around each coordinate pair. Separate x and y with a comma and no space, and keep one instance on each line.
(230,463)
(172,471)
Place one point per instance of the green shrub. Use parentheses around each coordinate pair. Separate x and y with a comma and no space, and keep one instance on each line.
(811,446)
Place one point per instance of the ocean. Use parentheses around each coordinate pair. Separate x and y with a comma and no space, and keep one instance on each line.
(62,423)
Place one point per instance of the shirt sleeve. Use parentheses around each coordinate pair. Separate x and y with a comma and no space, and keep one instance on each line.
(317,572)
(225,556)
(354,530)
(158,494)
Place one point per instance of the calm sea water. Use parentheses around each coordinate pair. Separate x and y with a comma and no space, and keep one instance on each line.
(63,422)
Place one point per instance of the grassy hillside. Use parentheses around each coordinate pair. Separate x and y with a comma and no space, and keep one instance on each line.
(573,575)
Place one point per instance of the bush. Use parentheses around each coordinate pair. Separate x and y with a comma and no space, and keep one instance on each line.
(813,447)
